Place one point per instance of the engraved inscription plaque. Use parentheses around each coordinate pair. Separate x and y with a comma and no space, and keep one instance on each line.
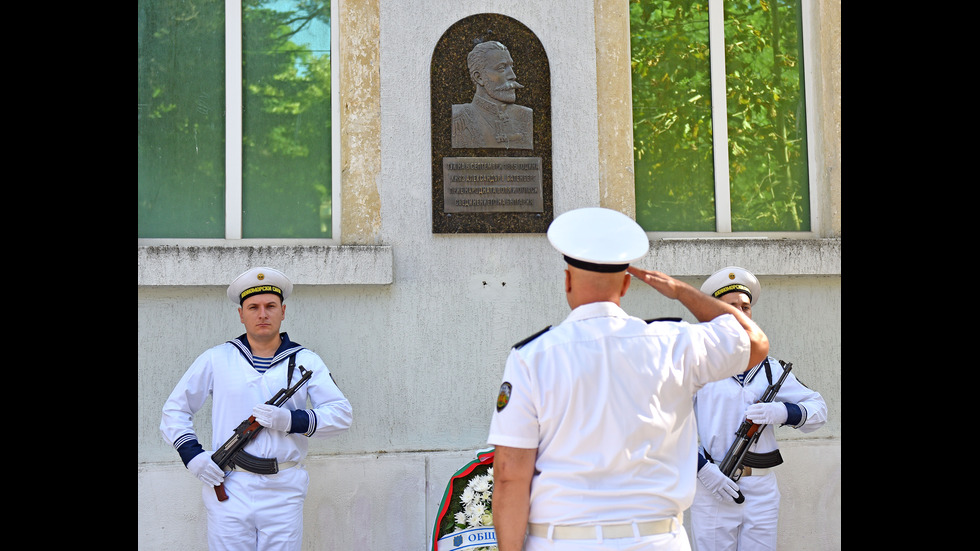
(492,184)
(490,128)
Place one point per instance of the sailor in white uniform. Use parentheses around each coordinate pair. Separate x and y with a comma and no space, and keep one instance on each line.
(594,425)
(718,521)
(264,509)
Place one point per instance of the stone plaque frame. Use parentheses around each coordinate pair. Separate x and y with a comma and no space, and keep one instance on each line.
(498,205)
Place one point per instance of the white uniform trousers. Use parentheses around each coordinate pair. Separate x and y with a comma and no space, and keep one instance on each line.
(723,525)
(262,512)
(675,540)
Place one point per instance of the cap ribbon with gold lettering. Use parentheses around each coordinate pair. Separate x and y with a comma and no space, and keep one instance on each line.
(732,279)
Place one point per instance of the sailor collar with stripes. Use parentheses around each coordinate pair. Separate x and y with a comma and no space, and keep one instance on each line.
(746,377)
(286,348)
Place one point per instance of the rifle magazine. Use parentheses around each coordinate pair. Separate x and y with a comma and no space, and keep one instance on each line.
(763,460)
(257,465)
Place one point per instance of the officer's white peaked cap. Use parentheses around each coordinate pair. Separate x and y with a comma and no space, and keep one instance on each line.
(732,279)
(598,239)
(259,280)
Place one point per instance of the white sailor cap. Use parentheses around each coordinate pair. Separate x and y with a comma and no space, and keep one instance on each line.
(259,280)
(598,239)
(732,279)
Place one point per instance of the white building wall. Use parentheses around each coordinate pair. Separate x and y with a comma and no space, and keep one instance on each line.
(416,331)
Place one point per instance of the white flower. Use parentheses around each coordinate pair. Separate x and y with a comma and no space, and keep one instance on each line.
(480,484)
(475,501)
(474,514)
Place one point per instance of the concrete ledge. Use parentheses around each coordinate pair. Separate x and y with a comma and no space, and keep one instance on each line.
(761,256)
(308,265)
(176,265)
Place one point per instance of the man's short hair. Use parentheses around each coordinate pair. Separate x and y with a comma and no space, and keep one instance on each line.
(477,58)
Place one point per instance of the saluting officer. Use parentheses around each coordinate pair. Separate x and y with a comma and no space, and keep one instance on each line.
(718,522)
(263,510)
(594,425)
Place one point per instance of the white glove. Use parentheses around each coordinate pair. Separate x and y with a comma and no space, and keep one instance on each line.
(207,470)
(719,484)
(772,413)
(274,418)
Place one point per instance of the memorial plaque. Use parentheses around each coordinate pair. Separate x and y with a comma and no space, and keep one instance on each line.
(491,129)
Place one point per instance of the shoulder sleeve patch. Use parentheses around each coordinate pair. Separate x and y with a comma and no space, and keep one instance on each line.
(503,398)
(531,338)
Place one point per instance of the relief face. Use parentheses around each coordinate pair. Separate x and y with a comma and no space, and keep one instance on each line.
(492,119)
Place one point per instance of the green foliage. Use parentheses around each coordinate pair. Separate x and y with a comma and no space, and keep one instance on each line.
(180,118)
(181,126)
(766,116)
(672,116)
(286,124)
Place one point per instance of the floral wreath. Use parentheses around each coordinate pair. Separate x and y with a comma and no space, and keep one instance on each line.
(466,511)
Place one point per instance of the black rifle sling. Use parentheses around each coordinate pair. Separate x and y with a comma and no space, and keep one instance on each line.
(765,364)
(289,373)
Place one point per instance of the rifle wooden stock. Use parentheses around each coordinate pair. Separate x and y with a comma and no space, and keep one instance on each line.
(224,457)
(747,435)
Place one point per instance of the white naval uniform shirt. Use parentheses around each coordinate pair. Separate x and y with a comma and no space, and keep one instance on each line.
(236,387)
(606,399)
(720,409)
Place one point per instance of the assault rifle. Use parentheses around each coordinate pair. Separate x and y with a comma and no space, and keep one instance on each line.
(748,433)
(233,453)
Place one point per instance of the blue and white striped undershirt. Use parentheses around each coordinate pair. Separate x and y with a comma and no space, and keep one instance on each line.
(261,364)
